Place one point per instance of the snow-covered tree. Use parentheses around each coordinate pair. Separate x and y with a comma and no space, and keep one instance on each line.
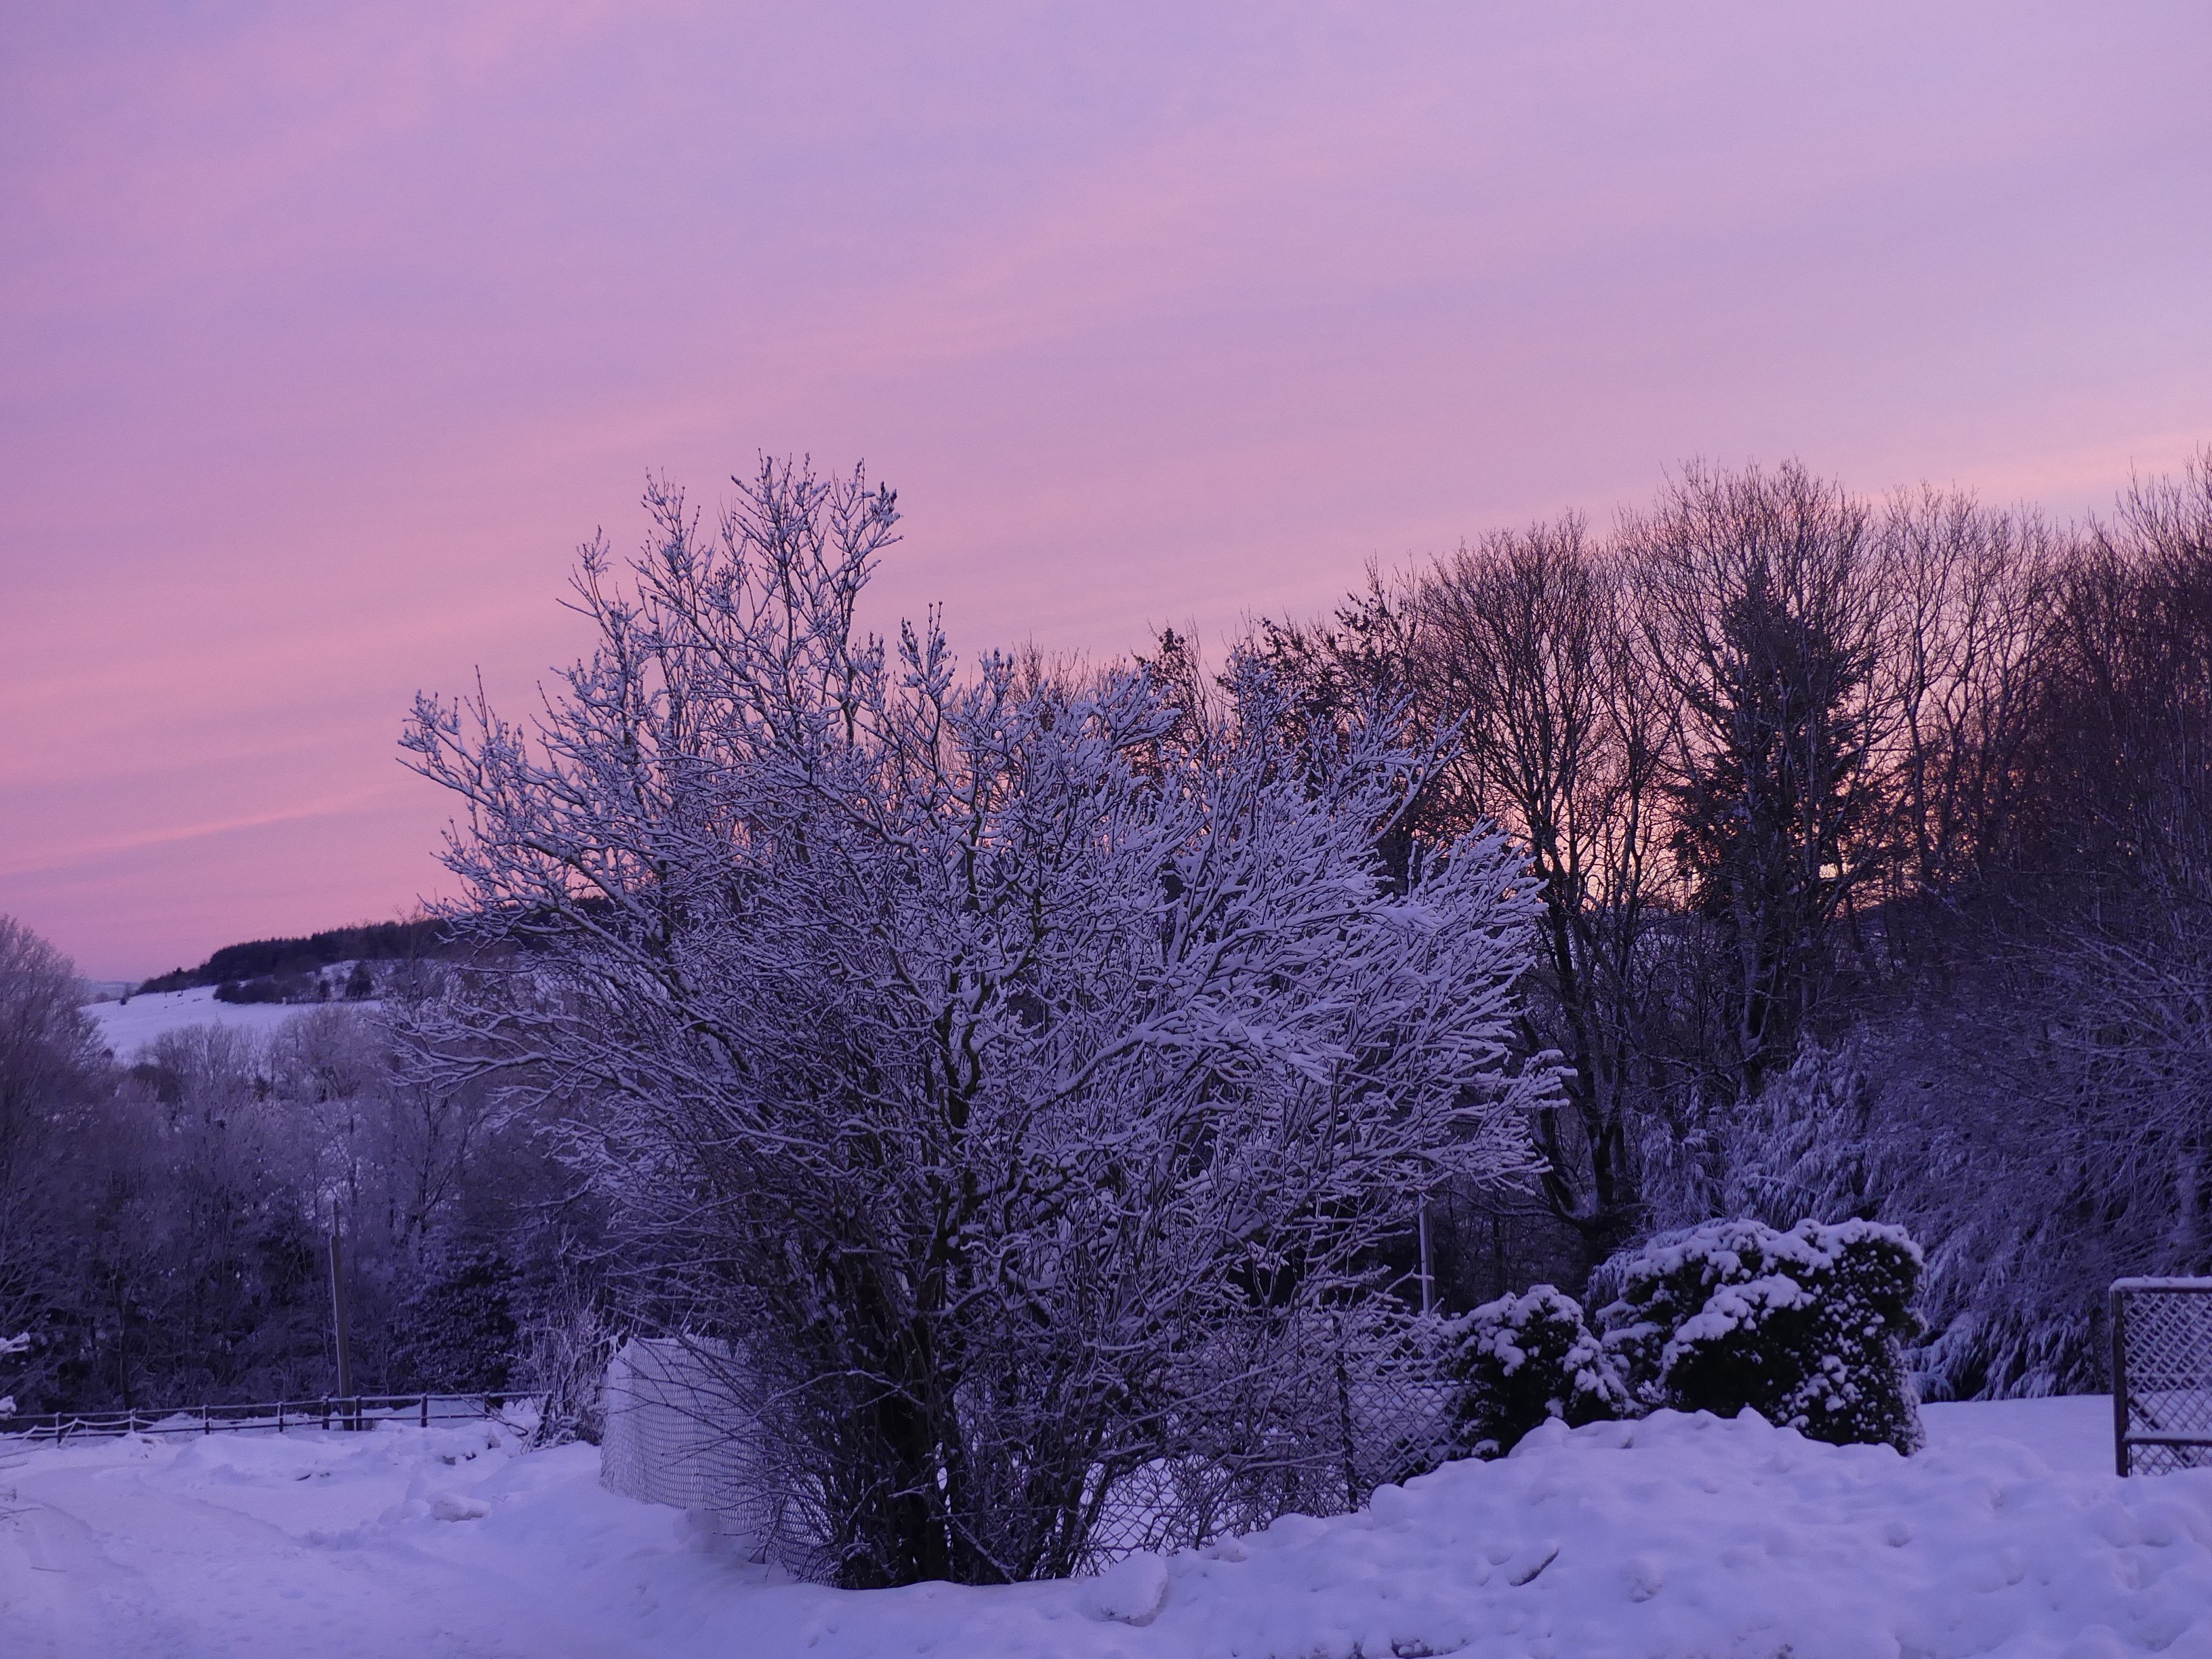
(1813,1143)
(51,1071)
(1014,1068)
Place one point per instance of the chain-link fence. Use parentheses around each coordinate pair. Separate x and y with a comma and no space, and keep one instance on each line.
(1367,1399)
(2162,1375)
(1375,1406)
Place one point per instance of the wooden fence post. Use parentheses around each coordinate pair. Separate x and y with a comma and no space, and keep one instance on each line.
(338,1311)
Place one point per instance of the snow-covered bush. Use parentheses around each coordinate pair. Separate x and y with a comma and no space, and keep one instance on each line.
(1807,1327)
(1523,1359)
(565,1346)
(18,1343)
(1023,1066)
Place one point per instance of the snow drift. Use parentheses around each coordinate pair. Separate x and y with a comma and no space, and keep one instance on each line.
(1664,1538)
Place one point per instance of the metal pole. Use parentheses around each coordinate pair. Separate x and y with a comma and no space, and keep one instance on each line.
(2120,1459)
(339,1310)
(1428,1279)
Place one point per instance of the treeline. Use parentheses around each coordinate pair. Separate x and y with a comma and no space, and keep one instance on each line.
(1870,851)
(163,1223)
(1872,838)
(420,939)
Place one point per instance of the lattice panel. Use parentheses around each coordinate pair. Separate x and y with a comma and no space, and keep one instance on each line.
(2164,1460)
(2162,1373)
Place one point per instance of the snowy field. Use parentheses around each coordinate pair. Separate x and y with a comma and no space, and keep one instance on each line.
(127,1027)
(1677,1537)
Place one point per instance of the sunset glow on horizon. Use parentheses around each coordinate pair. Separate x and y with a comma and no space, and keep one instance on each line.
(332,331)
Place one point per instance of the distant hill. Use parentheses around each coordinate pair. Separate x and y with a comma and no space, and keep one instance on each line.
(126,1028)
(287,959)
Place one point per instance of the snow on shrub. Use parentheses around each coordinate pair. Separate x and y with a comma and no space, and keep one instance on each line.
(12,1344)
(1523,1359)
(1807,1327)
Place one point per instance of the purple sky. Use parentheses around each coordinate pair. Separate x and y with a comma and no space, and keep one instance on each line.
(331,330)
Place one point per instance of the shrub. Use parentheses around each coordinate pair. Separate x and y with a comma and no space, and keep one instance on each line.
(565,1348)
(1523,1360)
(1807,1327)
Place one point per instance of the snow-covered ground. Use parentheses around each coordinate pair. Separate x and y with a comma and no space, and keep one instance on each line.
(127,1027)
(1678,1537)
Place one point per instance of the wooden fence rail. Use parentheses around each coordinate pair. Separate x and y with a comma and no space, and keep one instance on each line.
(353,1412)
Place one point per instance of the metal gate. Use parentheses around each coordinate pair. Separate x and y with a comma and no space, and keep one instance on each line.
(2162,1375)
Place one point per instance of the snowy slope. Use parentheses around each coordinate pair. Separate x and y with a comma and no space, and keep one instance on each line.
(1676,1537)
(126,1027)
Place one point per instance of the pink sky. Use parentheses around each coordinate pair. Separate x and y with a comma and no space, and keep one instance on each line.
(331,330)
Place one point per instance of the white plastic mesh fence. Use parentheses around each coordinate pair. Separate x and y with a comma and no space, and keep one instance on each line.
(675,1433)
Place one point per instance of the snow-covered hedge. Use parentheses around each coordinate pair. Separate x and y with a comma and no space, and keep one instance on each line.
(1807,1327)
(1522,1360)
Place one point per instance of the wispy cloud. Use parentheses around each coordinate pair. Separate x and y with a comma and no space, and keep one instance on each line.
(332,331)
